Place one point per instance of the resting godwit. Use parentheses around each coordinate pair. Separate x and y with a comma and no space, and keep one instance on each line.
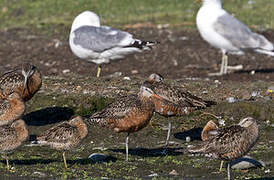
(11,137)
(225,32)
(65,136)
(12,107)
(26,81)
(92,42)
(172,101)
(230,143)
(128,114)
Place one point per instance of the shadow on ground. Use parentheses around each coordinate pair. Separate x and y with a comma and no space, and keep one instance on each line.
(194,134)
(154,152)
(49,115)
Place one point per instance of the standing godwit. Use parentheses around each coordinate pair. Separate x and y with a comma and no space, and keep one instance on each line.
(225,32)
(11,137)
(230,143)
(12,107)
(128,114)
(65,136)
(171,100)
(25,80)
(92,42)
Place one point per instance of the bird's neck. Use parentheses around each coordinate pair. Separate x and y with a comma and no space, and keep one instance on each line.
(212,3)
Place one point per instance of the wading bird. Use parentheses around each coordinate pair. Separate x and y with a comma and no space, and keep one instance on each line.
(11,137)
(231,142)
(172,101)
(64,136)
(26,80)
(127,114)
(12,107)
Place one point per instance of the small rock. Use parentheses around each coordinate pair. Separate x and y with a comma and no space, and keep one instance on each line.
(98,157)
(115,75)
(65,71)
(39,174)
(231,100)
(183,38)
(188,139)
(267,171)
(173,172)
(134,71)
(127,78)
(153,175)
(246,162)
(252,72)
(78,88)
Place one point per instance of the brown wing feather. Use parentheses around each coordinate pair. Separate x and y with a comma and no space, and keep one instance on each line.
(61,133)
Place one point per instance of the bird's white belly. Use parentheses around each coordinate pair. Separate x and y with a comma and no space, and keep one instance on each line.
(205,23)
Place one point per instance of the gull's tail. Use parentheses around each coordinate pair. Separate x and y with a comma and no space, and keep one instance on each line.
(262,51)
(143,45)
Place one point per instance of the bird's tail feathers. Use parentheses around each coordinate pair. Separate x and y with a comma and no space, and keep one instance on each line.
(262,51)
(196,149)
(143,45)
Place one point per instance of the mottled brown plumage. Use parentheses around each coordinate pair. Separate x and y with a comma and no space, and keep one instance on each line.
(26,80)
(127,114)
(230,143)
(11,108)
(209,131)
(64,136)
(171,100)
(12,136)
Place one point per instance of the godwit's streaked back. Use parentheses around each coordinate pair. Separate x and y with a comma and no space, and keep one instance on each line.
(12,107)
(172,100)
(64,136)
(231,142)
(128,114)
(11,137)
(26,80)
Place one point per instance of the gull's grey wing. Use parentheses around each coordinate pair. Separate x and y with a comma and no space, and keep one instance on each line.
(101,38)
(238,33)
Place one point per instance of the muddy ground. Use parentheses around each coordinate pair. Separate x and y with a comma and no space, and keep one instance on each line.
(70,88)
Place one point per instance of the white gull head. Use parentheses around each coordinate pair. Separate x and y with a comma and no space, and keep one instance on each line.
(87,18)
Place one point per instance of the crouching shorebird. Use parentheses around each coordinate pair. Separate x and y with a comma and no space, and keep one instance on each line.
(11,137)
(223,31)
(65,136)
(100,44)
(128,114)
(229,143)
(12,108)
(25,80)
(173,101)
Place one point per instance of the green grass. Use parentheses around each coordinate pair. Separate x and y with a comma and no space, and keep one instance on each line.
(50,13)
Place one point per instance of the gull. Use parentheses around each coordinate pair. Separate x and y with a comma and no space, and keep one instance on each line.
(223,31)
(90,41)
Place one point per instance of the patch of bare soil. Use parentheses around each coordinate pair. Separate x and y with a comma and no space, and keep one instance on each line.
(180,54)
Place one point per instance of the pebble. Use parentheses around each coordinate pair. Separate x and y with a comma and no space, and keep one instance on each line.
(65,71)
(39,174)
(153,175)
(246,162)
(231,100)
(134,72)
(188,139)
(221,122)
(98,157)
(173,172)
(127,78)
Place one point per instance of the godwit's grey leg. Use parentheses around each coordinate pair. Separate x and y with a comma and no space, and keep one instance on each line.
(228,171)
(168,132)
(127,146)
(65,161)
